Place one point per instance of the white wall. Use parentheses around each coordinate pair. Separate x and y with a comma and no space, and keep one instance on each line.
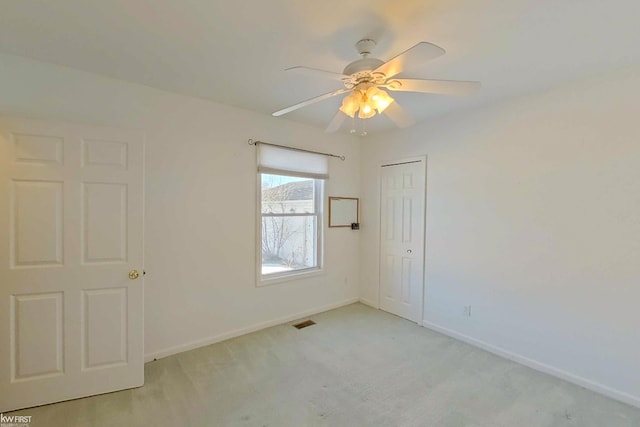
(200,201)
(533,218)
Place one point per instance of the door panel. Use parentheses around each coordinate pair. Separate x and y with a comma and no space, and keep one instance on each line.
(106,154)
(406,280)
(36,347)
(402,239)
(36,223)
(104,222)
(407,220)
(104,344)
(71,212)
(38,149)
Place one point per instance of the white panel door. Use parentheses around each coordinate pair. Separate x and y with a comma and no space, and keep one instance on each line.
(402,218)
(71,212)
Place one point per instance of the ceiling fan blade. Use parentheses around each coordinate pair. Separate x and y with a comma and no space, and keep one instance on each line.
(336,122)
(442,87)
(314,72)
(416,55)
(399,116)
(309,102)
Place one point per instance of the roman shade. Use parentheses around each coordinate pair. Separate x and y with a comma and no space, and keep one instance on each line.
(284,161)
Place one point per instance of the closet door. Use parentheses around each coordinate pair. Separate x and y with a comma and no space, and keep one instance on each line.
(402,219)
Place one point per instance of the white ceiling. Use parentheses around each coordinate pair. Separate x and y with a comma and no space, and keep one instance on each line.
(235,52)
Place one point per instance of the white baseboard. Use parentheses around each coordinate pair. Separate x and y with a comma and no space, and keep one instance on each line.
(242,331)
(538,366)
(369,302)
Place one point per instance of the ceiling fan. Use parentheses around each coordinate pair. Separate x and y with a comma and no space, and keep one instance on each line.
(368,79)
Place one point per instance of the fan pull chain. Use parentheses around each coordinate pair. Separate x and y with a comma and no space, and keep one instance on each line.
(364,130)
(353,124)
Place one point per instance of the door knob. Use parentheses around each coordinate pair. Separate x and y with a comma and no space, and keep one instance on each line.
(133,274)
(409,251)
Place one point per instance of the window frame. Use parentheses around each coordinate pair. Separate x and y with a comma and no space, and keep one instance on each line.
(318,203)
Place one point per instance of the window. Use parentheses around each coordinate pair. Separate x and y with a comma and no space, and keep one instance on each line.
(290,224)
(290,187)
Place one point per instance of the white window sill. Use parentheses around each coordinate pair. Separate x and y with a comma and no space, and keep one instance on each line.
(303,274)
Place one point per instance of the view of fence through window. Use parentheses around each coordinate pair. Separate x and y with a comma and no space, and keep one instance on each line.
(289,223)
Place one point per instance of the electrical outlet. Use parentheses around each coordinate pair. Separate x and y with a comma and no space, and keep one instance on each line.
(467,311)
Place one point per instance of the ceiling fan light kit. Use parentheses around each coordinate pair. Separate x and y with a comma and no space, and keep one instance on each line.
(365,100)
(367,78)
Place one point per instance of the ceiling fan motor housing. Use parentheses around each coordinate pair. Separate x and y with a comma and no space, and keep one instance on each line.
(364,46)
(363,64)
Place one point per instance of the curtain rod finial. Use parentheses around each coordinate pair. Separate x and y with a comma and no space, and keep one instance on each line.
(251,142)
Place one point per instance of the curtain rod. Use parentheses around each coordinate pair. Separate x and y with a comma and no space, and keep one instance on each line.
(252,142)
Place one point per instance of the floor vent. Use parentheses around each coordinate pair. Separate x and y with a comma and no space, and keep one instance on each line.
(305,324)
